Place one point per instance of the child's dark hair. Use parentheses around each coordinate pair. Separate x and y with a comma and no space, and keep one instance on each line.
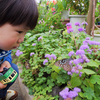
(17,12)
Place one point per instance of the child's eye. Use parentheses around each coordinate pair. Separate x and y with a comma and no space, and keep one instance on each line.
(20,32)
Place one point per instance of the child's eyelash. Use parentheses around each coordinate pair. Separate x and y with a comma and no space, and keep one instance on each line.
(19,31)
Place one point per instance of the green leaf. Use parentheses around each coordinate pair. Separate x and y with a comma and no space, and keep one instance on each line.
(75,81)
(56,68)
(95,79)
(54,75)
(88,83)
(93,63)
(88,71)
(89,93)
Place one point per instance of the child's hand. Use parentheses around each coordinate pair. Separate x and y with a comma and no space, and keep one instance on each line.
(5,64)
(2,86)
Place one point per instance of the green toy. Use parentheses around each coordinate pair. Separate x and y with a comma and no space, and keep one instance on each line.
(8,75)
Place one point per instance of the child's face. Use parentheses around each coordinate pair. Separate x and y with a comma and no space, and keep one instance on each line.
(11,36)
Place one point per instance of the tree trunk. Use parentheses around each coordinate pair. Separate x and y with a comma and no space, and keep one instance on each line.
(90,17)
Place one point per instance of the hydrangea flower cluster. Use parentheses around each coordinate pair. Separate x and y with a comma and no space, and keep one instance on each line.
(77,24)
(66,93)
(82,57)
(18,53)
(52,56)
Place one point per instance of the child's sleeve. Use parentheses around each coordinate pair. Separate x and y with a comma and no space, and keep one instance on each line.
(8,58)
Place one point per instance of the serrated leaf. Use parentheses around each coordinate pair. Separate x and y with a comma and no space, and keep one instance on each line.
(54,75)
(75,81)
(55,68)
(89,93)
(93,63)
(88,71)
(95,79)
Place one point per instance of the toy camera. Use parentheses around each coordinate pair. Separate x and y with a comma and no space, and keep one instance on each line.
(8,75)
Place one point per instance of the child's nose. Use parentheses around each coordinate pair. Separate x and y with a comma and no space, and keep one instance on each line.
(21,39)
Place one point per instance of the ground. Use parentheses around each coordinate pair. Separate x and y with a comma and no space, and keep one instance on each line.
(16,87)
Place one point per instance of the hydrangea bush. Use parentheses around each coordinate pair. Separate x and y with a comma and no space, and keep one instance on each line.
(39,53)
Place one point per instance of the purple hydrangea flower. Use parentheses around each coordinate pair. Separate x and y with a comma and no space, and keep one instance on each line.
(47,55)
(71,53)
(53,56)
(75,70)
(33,44)
(84,23)
(77,89)
(94,43)
(86,42)
(89,51)
(18,53)
(76,61)
(80,60)
(50,56)
(80,52)
(87,38)
(39,38)
(70,30)
(64,93)
(80,29)
(45,61)
(84,47)
(32,53)
(68,24)
(69,73)
(72,94)
(85,58)
(71,62)
(80,74)
(77,24)
(79,67)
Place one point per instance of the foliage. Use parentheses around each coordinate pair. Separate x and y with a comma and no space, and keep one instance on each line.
(79,7)
(63,5)
(41,77)
(97,13)
(49,18)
